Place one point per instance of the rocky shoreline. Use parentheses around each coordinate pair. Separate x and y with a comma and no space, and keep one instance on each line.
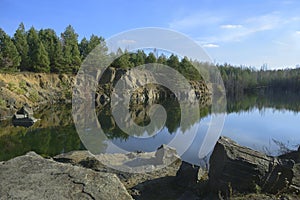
(235,172)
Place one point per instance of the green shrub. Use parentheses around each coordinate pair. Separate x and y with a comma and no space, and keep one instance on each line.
(33,96)
(22,85)
(11,86)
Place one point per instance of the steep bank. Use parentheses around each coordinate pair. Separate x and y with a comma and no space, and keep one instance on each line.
(34,89)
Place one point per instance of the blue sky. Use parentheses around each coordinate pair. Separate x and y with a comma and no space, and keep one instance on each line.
(240,32)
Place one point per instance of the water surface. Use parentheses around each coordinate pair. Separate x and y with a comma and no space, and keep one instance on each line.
(263,124)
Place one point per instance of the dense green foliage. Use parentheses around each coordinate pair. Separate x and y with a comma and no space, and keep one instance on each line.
(44,51)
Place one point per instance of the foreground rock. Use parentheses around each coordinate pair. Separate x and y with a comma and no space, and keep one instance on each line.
(233,167)
(33,177)
(144,166)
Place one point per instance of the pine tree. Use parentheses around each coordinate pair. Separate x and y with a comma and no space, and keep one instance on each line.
(123,61)
(83,48)
(86,46)
(70,50)
(39,60)
(173,62)
(20,42)
(53,47)
(140,58)
(162,59)
(150,58)
(9,56)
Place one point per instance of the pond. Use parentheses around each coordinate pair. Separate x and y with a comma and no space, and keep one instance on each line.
(267,123)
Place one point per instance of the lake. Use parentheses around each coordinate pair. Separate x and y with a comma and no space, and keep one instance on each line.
(267,123)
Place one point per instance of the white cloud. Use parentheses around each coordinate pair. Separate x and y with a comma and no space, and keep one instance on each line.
(298,32)
(246,28)
(231,26)
(210,45)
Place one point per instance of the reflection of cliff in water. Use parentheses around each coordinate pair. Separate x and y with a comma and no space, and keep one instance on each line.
(139,113)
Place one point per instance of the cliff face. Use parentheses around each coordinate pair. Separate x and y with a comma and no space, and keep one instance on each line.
(148,92)
(33,89)
(38,88)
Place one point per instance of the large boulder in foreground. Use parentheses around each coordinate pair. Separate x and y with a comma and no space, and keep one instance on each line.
(234,167)
(146,166)
(33,177)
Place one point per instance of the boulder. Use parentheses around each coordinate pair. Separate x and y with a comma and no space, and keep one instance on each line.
(293,155)
(187,175)
(153,165)
(234,167)
(33,177)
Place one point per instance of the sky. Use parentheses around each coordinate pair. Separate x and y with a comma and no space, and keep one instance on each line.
(239,32)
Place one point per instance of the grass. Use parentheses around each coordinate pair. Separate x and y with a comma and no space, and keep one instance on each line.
(2,102)
(21,90)
(33,96)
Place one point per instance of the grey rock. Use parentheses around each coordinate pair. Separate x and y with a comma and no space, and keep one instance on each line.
(187,175)
(33,177)
(159,162)
(234,167)
(293,155)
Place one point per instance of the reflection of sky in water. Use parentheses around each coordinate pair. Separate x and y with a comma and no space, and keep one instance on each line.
(254,129)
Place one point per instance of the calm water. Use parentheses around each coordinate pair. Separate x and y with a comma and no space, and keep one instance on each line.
(255,121)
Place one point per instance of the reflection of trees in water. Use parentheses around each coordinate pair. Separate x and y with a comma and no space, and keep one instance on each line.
(53,134)
(264,98)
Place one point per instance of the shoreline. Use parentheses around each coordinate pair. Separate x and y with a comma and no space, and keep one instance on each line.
(179,179)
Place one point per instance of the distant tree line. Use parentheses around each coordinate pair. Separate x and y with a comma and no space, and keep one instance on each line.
(240,80)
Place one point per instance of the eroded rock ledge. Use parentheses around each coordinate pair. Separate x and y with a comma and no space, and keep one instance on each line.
(235,172)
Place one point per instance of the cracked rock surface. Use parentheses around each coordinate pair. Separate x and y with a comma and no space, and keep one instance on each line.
(33,177)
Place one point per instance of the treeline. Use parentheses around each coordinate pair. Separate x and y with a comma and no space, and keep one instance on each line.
(43,51)
(240,80)
(184,66)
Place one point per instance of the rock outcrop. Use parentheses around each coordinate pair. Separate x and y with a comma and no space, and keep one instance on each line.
(33,89)
(235,172)
(33,177)
(147,92)
(234,167)
(149,166)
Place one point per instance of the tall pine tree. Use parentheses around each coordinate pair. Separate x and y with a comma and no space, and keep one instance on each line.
(39,61)
(20,42)
(71,52)
(9,56)
(83,48)
(53,47)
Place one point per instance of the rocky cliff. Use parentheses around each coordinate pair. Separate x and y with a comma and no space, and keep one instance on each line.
(34,89)
(39,88)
